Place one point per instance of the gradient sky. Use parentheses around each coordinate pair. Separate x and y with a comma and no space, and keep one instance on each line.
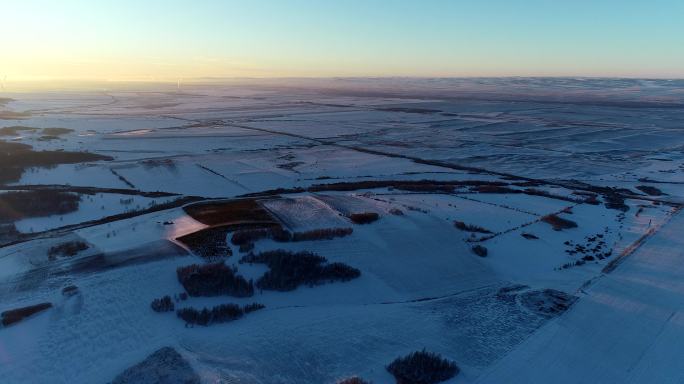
(170,39)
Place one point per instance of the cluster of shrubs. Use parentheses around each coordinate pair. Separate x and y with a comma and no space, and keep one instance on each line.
(480,250)
(219,314)
(539,192)
(68,249)
(649,190)
(209,243)
(613,198)
(16,315)
(56,131)
(470,227)
(15,157)
(558,223)
(17,205)
(588,197)
(15,129)
(165,304)
(615,201)
(422,367)
(594,248)
(364,217)
(48,138)
(213,280)
(577,263)
(289,270)
(322,234)
(249,308)
(245,238)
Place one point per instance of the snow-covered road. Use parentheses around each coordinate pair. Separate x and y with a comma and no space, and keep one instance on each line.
(627,328)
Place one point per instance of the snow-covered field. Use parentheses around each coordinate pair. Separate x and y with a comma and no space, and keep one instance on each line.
(571,185)
(626,327)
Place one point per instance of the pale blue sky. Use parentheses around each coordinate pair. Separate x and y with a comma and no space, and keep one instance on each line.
(178,38)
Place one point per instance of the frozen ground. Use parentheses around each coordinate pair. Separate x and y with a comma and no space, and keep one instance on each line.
(507,158)
(626,328)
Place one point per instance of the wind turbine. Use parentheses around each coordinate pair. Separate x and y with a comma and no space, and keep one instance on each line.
(179,84)
(2,82)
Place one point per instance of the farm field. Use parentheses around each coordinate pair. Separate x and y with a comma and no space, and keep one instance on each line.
(331,227)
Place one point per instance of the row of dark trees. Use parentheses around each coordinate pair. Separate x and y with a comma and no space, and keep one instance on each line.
(543,193)
(419,367)
(68,249)
(219,314)
(650,190)
(164,304)
(245,238)
(214,280)
(480,250)
(322,234)
(470,227)
(16,157)
(209,243)
(558,223)
(288,270)
(17,205)
(364,217)
(13,316)
(422,367)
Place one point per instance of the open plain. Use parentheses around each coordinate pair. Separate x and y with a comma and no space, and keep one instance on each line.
(525,229)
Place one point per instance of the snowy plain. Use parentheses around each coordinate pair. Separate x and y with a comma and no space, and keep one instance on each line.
(310,154)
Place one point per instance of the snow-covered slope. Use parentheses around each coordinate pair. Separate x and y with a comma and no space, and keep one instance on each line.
(626,328)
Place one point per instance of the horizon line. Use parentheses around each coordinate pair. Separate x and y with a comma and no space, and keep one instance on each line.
(149,79)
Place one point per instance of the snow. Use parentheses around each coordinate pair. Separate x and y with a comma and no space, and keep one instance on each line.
(91,207)
(301,214)
(626,328)
(126,234)
(463,208)
(421,286)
